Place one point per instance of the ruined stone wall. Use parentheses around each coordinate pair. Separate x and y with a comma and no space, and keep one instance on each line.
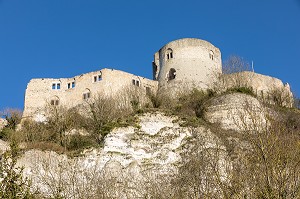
(178,66)
(186,63)
(265,87)
(73,91)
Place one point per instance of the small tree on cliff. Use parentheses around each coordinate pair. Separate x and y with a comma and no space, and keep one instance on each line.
(12,183)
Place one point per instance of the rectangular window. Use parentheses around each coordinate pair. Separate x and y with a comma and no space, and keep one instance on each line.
(97,78)
(52,102)
(137,83)
(133,82)
(56,86)
(71,85)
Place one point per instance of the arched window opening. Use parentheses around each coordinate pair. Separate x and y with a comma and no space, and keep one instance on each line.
(169,53)
(211,55)
(54,101)
(86,94)
(172,74)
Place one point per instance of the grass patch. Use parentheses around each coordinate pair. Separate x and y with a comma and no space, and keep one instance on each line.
(245,90)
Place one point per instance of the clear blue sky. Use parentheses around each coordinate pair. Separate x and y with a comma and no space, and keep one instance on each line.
(64,38)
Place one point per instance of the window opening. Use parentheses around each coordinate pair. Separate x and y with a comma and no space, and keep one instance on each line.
(71,85)
(211,55)
(54,101)
(136,82)
(87,94)
(56,86)
(98,78)
(172,74)
(169,53)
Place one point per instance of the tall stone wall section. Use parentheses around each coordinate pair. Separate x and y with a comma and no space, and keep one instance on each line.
(268,89)
(73,91)
(186,63)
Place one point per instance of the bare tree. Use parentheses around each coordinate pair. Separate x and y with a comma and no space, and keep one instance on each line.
(235,64)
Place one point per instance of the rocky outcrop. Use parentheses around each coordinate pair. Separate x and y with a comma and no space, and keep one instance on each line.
(3,122)
(236,111)
(3,146)
(131,154)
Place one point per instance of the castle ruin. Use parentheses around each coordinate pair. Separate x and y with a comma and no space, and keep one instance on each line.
(179,65)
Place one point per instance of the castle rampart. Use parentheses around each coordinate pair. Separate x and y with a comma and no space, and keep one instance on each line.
(265,87)
(71,92)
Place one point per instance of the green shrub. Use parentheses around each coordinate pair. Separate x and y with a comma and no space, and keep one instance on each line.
(79,142)
(245,90)
(6,133)
(156,101)
(12,183)
(192,103)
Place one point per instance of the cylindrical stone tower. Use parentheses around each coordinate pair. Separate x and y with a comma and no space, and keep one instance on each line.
(185,64)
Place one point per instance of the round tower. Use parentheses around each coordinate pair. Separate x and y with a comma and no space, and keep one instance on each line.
(185,64)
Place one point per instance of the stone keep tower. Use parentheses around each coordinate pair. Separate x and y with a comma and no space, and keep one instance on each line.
(186,63)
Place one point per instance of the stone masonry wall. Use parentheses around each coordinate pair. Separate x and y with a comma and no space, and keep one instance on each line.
(39,92)
(195,63)
(265,87)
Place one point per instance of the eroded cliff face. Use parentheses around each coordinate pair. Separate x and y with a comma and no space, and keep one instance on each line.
(134,159)
(131,155)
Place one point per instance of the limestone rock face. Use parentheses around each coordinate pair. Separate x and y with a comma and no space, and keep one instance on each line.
(3,122)
(3,146)
(130,154)
(236,111)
